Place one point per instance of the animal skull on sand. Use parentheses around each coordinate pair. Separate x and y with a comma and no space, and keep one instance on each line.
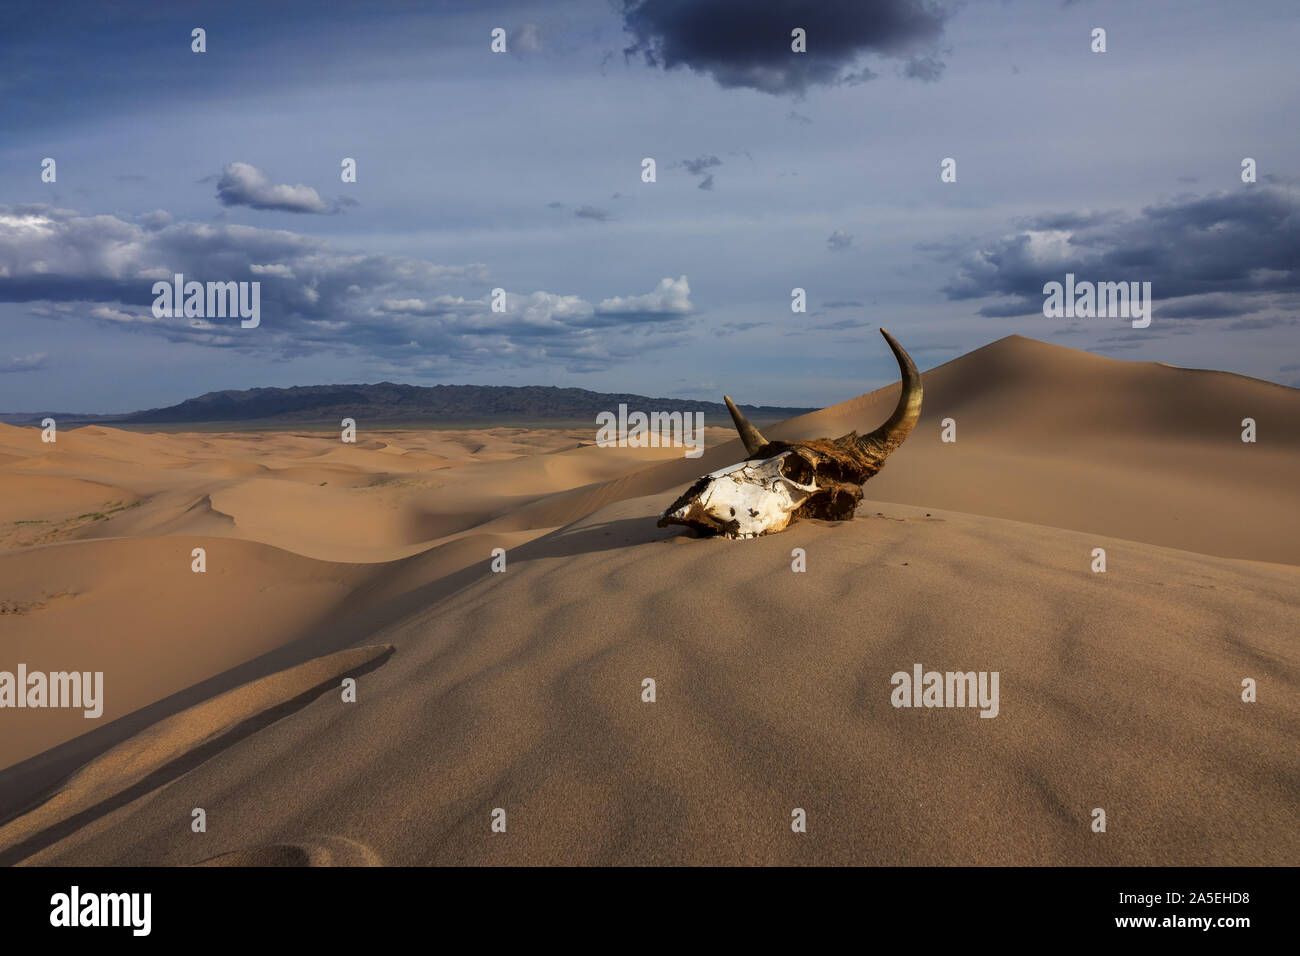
(781,481)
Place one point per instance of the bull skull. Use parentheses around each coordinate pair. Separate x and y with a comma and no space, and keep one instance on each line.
(781,482)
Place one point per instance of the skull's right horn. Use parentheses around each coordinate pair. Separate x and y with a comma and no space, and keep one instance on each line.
(882,442)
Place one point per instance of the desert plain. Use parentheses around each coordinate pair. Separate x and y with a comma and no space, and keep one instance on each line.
(519,695)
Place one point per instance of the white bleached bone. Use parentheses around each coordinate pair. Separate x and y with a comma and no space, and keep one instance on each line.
(783,481)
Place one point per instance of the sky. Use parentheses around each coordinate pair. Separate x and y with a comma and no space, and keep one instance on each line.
(522,171)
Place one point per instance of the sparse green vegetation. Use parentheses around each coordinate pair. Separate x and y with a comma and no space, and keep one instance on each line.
(114,508)
(24,537)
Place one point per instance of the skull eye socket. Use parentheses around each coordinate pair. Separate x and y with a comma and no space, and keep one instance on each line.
(797,469)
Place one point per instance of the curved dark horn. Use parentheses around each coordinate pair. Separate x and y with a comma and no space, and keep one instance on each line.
(748,433)
(885,439)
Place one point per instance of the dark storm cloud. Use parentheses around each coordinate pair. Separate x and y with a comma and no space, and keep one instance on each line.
(744,44)
(1223,254)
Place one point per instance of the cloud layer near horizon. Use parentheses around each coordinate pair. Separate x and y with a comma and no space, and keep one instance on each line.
(403,310)
(1226,254)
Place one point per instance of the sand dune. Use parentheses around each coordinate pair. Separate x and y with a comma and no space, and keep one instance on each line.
(134,609)
(169,513)
(1053,436)
(381,500)
(35,509)
(1128,449)
(522,690)
(171,746)
(98,576)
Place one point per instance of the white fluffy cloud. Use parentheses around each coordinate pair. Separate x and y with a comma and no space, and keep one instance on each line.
(278,269)
(670,297)
(244,185)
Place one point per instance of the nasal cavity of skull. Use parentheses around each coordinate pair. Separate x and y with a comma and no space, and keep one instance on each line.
(797,469)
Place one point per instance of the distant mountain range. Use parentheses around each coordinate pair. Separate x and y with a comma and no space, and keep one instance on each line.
(387,402)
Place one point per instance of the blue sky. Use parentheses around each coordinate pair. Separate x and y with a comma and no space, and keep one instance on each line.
(522,171)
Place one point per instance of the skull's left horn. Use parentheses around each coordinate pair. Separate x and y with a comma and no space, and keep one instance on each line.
(882,442)
(748,433)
